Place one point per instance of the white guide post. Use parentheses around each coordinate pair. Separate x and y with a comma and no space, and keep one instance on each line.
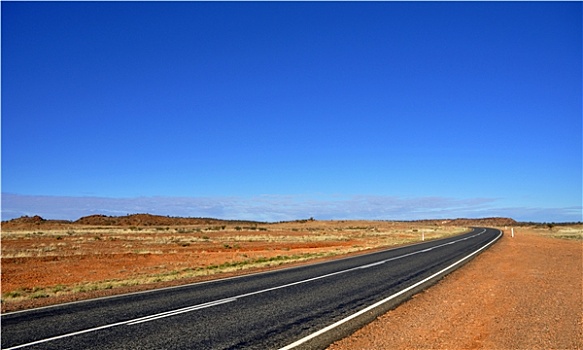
(512,230)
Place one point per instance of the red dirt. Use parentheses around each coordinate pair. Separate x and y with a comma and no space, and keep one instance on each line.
(95,257)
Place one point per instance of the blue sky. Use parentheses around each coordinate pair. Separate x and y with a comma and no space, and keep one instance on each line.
(286,110)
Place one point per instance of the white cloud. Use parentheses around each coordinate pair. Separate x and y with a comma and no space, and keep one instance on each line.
(279,207)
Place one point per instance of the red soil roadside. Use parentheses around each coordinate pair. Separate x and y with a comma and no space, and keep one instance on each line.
(522,293)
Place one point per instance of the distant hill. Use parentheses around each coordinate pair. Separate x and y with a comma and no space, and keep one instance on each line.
(143,220)
(150,220)
(25,222)
(32,221)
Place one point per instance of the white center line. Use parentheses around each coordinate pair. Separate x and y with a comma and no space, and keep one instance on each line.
(179,311)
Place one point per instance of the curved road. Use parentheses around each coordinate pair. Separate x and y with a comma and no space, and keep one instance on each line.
(301,307)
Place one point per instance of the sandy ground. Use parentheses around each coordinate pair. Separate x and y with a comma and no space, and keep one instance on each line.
(523,293)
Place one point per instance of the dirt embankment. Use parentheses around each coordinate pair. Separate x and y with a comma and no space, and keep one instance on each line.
(523,293)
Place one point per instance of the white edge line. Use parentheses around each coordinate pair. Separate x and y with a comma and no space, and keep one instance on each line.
(222,279)
(379,303)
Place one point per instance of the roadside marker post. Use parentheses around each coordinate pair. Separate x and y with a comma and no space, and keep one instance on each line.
(512,230)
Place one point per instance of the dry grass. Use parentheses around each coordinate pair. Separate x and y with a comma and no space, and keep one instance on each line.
(571,232)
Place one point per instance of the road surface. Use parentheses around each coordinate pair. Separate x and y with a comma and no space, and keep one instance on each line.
(307,306)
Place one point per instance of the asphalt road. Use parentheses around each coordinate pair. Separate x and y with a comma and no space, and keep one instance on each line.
(260,311)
